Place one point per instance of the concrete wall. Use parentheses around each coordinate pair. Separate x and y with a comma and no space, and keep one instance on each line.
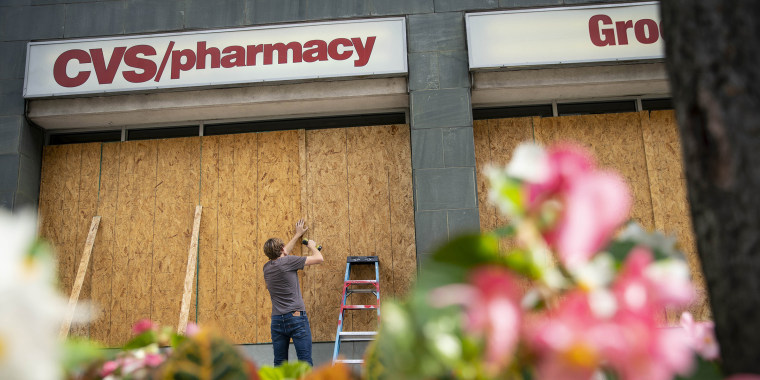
(440,107)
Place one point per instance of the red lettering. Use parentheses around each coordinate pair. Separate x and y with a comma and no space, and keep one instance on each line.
(282,52)
(251,51)
(177,64)
(235,57)
(332,49)
(315,50)
(599,36)
(105,74)
(622,31)
(59,68)
(646,31)
(147,66)
(202,53)
(363,50)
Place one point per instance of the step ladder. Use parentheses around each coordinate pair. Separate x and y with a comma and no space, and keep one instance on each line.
(357,336)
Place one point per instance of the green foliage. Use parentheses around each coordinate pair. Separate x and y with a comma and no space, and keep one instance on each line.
(205,356)
(286,371)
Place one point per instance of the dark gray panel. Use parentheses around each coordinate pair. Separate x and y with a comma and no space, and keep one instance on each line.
(12,97)
(463,5)
(214,14)
(41,2)
(401,7)
(576,2)
(423,71)
(528,3)
(8,172)
(463,222)
(31,23)
(458,147)
(94,19)
(12,59)
(441,108)
(153,16)
(430,229)
(6,199)
(273,11)
(436,31)
(24,202)
(454,69)
(32,139)
(9,3)
(326,9)
(29,177)
(427,148)
(10,133)
(442,189)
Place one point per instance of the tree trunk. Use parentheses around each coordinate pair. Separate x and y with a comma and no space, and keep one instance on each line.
(713,60)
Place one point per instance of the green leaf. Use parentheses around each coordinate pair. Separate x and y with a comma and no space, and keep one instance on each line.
(469,251)
(287,370)
(619,250)
(80,353)
(505,231)
(705,370)
(147,338)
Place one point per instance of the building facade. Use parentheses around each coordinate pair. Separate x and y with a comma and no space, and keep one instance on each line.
(382,161)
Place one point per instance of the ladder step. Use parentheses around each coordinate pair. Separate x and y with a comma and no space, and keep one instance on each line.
(358,333)
(359,307)
(360,291)
(362,259)
(349,361)
(359,282)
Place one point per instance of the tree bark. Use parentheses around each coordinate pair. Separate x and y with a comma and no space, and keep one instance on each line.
(713,61)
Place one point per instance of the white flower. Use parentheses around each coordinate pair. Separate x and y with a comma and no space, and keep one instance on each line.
(30,306)
(529,163)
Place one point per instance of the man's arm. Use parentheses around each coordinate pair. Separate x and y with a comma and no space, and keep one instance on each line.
(316,255)
(300,230)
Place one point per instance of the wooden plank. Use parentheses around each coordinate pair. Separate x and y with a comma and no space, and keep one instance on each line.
(616,142)
(404,264)
(483,159)
(192,259)
(223,311)
(81,272)
(176,187)
(209,232)
(327,163)
(104,249)
(669,198)
(244,310)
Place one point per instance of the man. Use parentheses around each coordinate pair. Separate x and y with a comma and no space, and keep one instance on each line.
(289,318)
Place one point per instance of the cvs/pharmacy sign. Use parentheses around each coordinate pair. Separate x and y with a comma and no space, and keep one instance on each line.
(214,58)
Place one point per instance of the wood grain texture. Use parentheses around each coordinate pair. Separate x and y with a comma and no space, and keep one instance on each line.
(208,244)
(192,260)
(176,189)
(669,198)
(103,270)
(84,263)
(224,313)
(616,142)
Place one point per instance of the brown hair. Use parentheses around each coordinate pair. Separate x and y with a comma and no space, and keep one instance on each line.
(273,248)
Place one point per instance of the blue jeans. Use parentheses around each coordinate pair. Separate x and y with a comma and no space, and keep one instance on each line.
(287,326)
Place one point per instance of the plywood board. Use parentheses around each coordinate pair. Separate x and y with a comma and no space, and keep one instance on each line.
(103,270)
(176,189)
(403,248)
(245,240)
(224,313)
(208,244)
(84,263)
(616,142)
(330,221)
(669,198)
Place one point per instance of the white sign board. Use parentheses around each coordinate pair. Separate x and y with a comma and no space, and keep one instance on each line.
(564,35)
(216,58)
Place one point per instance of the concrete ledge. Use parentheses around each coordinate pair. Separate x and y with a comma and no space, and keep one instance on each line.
(228,104)
(568,83)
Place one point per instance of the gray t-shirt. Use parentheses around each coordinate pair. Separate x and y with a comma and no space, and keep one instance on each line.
(281,276)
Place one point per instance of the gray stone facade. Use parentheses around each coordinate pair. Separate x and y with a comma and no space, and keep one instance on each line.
(440,109)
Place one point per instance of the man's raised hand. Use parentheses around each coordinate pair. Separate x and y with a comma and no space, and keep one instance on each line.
(301,228)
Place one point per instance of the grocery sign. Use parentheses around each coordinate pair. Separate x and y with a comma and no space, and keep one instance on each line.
(216,58)
(548,36)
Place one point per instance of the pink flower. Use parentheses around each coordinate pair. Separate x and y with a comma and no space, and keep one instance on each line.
(108,368)
(595,202)
(153,360)
(492,310)
(143,325)
(192,329)
(702,336)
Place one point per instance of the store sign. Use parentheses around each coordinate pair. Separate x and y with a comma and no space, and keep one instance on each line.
(216,58)
(550,36)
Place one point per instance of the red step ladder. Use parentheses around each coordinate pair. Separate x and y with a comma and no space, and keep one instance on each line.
(348,289)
